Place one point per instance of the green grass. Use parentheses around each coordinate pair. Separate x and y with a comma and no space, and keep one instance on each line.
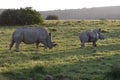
(67,58)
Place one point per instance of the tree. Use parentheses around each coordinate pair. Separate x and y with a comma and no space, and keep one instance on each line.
(51,17)
(23,16)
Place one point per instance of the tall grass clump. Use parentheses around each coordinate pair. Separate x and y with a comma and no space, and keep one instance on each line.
(113,74)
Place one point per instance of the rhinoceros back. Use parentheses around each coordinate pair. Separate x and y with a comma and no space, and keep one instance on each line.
(30,35)
(92,36)
(87,36)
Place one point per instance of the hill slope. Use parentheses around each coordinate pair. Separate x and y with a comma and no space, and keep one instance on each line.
(86,13)
(112,12)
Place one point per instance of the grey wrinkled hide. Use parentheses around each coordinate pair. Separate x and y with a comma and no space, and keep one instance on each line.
(90,36)
(30,36)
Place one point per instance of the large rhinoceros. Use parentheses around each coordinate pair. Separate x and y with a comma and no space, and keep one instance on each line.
(90,36)
(31,35)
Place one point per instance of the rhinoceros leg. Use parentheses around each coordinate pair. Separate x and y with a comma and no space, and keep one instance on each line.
(45,44)
(37,45)
(11,44)
(94,44)
(17,46)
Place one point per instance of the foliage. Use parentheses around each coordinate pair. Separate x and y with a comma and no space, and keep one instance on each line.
(23,16)
(67,58)
(52,17)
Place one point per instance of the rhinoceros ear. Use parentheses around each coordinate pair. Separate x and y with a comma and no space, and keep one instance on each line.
(49,34)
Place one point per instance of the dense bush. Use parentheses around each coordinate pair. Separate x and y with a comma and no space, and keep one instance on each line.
(23,16)
(52,17)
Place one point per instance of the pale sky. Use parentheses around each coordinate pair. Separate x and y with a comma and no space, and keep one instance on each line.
(43,5)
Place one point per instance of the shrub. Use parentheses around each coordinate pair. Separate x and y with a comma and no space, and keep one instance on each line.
(23,16)
(51,17)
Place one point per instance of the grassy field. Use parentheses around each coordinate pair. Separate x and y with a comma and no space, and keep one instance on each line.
(67,58)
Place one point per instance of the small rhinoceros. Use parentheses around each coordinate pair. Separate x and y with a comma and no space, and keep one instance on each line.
(90,36)
(30,36)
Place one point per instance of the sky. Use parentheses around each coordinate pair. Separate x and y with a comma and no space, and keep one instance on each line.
(45,5)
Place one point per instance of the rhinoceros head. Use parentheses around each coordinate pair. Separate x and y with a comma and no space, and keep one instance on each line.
(98,31)
(101,36)
(50,44)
